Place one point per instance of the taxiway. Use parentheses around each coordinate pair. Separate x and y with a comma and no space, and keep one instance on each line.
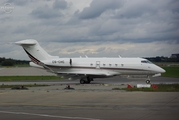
(95,101)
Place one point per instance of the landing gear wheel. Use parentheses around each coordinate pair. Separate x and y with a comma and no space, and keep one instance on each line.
(88,81)
(148,81)
(82,81)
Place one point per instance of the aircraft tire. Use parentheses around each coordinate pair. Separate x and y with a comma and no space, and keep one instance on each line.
(82,81)
(148,81)
(88,81)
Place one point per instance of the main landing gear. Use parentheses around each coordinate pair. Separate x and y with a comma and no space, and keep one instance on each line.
(86,80)
(148,80)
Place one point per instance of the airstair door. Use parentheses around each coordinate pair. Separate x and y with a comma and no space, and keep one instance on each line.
(97,64)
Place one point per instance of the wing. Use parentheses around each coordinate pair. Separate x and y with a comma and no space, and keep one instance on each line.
(82,73)
(72,75)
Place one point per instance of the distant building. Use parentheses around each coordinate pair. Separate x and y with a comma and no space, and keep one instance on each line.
(174,56)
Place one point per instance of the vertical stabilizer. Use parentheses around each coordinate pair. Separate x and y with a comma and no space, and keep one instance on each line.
(35,52)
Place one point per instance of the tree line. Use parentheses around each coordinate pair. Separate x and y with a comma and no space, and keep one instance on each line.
(12,62)
(163,59)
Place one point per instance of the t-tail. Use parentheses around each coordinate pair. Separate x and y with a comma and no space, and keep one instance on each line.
(35,52)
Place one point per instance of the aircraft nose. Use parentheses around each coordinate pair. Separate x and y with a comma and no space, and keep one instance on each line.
(161,70)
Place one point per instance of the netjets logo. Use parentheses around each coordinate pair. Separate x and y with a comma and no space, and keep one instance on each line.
(8,8)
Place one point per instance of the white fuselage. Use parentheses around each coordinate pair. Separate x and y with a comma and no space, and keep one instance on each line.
(88,68)
(103,66)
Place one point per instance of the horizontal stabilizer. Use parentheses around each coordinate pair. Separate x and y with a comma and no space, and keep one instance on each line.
(26,42)
(81,74)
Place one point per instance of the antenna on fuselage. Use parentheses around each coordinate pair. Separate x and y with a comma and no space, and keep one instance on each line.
(86,56)
(119,56)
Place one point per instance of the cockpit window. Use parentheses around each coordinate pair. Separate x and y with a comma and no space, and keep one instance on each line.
(149,62)
(146,61)
(143,61)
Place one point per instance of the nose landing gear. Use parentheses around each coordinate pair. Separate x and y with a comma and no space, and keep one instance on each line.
(148,80)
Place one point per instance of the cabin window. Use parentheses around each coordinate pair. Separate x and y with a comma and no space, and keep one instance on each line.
(116,65)
(104,64)
(110,64)
(122,65)
(91,64)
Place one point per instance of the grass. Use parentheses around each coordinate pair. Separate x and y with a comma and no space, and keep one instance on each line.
(20,78)
(18,86)
(171,71)
(161,88)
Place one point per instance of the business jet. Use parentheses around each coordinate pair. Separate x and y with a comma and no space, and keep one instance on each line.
(87,69)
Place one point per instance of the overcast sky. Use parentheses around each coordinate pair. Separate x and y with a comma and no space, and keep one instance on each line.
(103,28)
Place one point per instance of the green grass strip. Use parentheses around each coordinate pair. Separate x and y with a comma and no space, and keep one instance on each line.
(171,72)
(161,88)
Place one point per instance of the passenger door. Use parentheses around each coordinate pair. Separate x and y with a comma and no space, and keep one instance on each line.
(97,64)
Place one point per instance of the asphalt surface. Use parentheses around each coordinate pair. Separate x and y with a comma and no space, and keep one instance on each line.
(95,101)
(90,106)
